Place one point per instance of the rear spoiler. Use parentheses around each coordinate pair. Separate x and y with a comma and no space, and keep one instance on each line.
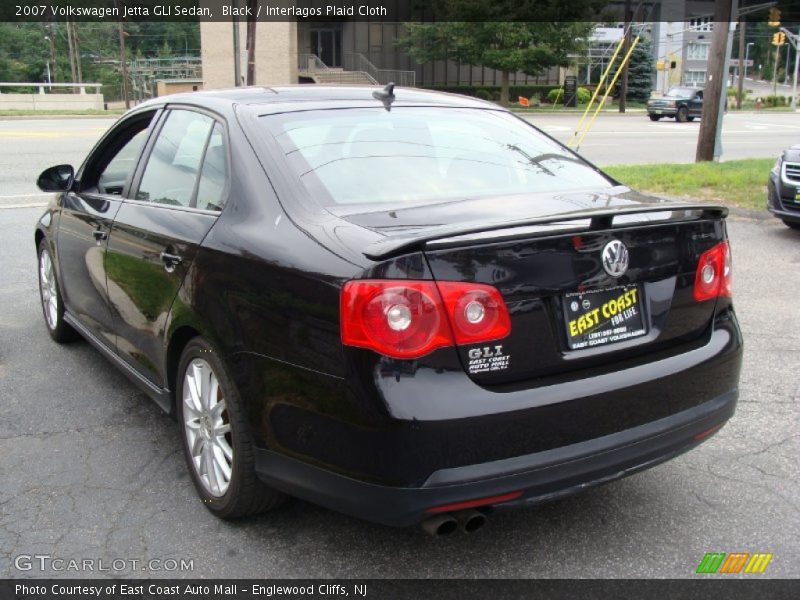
(600,218)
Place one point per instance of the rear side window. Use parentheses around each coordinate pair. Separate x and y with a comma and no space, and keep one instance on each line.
(174,164)
(422,155)
(212,189)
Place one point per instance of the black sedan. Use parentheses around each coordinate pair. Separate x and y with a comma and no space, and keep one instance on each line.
(681,103)
(783,187)
(403,305)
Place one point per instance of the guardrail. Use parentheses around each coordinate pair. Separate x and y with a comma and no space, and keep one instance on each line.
(41,86)
(355,61)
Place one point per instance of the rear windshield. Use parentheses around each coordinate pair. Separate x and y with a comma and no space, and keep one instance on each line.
(680,92)
(416,155)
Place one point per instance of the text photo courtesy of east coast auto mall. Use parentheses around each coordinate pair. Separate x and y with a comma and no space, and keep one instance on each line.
(399,299)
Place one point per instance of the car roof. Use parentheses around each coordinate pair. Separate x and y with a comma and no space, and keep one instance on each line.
(313,96)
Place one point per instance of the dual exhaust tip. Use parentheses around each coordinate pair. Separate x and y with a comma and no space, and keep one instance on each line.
(468,521)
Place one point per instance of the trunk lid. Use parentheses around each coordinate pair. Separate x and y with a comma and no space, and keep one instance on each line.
(548,264)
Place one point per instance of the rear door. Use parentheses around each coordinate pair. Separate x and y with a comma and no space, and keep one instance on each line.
(179,189)
(86,217)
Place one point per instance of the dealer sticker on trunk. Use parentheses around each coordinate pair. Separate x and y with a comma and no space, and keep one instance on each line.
(600,317)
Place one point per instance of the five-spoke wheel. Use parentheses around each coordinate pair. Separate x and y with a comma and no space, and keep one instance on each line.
(217,441)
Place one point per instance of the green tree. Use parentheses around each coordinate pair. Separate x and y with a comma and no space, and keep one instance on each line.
(509,47)
(528,36)
(640,72)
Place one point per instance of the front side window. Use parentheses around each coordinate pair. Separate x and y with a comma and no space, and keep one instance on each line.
(111,165)
(174,163)
(420,155)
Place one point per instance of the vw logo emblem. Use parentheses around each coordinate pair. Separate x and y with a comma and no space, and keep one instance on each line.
(615,258)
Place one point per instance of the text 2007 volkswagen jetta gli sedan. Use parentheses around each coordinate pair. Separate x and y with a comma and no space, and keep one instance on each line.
(398,304)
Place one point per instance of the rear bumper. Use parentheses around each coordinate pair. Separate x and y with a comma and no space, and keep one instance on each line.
(540,477)
(662,112)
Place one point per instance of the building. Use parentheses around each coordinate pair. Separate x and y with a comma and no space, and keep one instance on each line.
(341,51)
(682,50)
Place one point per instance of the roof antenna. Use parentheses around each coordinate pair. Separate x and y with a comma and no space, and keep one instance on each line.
(386,95)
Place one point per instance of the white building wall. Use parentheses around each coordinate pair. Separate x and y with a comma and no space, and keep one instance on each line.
(276,53)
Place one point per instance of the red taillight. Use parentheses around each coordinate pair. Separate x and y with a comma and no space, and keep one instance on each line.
(477,312)
(409,319)
(714,275)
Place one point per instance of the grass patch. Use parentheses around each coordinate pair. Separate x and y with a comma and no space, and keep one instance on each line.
(737,182)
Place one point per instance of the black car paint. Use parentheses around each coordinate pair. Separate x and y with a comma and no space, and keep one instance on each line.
(261,280)
(783,188)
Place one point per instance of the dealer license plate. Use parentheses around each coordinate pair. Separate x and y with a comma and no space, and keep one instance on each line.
(601,317)
(658,112)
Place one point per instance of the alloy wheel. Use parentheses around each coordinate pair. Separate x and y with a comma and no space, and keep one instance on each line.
(207,427)
(47,282)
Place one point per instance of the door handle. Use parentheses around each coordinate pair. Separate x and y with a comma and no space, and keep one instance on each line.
(100,235)
(170,261)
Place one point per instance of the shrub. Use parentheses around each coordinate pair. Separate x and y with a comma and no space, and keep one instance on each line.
(487,92)
(557,95)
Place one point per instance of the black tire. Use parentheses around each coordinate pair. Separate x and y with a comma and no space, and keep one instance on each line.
(655,117)
(682,115)
(792,224)
(246,494)
(58,329)
(690,119)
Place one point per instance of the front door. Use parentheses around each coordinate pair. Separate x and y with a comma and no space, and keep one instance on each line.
(178,193)
(86,217)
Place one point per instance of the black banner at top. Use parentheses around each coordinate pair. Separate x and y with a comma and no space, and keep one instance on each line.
(378,10)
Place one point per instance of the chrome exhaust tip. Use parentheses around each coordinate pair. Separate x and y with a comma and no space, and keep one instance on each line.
(440,525)
(470,520)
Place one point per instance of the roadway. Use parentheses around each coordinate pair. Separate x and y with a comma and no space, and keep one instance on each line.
(634,139)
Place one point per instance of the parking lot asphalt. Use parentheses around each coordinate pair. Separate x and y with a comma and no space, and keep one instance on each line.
(91,469)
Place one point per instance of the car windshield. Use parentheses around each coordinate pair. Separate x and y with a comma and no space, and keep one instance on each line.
(680,92)
(419,155)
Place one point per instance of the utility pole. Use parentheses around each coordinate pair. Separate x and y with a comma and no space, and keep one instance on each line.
(796,68)
(742,64)
(76,40)
(251,43)
(786,69)
(237,52)
(70,44)
(715,89)
(51,38)
(775,71)
(623,87)
(124,62)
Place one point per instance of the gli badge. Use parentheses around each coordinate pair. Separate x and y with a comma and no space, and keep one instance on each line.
(615,258)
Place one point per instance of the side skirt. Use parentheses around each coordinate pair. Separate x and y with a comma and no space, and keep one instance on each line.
(161,396)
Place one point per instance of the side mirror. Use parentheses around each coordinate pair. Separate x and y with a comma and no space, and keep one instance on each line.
(56,179)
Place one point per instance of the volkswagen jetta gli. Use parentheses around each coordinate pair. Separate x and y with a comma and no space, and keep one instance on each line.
(399,304)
